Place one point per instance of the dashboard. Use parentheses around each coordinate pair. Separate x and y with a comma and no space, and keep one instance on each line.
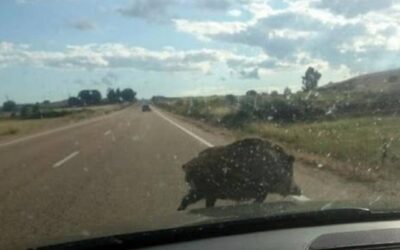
(366,235)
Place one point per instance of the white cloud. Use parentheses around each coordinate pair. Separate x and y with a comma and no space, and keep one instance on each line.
(259,9)
(204,29)
(359,34)
(234,13)
(365,40)
(109,56)
(352,8)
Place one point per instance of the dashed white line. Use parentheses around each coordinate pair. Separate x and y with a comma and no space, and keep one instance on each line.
(208,144)
(69,157)
(300,198)
(107,132)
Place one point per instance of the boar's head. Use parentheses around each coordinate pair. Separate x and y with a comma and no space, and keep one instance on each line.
(286,186)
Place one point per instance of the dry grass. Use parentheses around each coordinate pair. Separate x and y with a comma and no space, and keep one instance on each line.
(9,131)
(12,127)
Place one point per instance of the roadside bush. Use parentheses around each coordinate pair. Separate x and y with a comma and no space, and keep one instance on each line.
(237,119)
(9,131)
(278,110)
(231,99)
(34,112)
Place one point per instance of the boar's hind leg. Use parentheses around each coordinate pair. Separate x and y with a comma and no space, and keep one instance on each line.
(210,201)
(190,198)
(260,198)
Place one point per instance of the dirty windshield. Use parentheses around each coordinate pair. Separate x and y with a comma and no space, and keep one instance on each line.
(136,115)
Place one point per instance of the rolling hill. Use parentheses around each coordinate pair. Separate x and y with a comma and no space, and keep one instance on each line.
(379,82)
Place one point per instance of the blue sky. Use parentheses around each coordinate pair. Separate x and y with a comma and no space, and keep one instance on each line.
(51,49)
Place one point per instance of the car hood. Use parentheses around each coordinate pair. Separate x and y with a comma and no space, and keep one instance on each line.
(207,222)
(281,208)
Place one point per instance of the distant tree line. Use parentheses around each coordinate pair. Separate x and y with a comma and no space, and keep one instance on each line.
(9,106)
(46,109)
(85,98)
(94,97)
(117,96)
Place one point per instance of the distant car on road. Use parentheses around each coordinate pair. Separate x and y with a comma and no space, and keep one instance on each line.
(146,108)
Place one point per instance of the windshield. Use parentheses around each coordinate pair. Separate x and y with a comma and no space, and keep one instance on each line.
(136,115)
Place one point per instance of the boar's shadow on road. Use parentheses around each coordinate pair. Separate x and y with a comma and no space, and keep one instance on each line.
(245,211)
(248,169)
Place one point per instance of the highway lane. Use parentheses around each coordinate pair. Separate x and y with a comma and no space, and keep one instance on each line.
(121,173)
(116,175)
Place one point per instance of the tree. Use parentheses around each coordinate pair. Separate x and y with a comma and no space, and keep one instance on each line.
(36,112)
(287,91)
(74,102)
(251,93)
(9,106)
(95,97)
(128,95)
(90,97)
(274,93)
(84,96)
(112,96)
(310,79)
(26,111)
(231,99)
(118,94)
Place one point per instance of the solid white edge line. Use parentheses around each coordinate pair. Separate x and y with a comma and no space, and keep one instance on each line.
(205,142)
(49,132)
(107,132)
(300,198)
(69,157)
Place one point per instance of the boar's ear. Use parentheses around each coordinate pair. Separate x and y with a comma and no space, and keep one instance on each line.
(291,158)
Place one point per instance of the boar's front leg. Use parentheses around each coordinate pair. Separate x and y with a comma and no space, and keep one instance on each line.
(261,197)
(190,198)
(210,201)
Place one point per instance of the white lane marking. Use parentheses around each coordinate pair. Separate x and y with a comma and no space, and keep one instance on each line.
(205,142)
(107,132)
(301,198)
(49,132)
(69,157)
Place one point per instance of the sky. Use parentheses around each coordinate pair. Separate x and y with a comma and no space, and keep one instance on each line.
(51,49)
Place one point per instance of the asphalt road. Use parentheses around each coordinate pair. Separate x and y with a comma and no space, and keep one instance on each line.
(115,174)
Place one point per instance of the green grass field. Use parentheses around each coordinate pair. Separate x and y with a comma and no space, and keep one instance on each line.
(359,141)
(352,146)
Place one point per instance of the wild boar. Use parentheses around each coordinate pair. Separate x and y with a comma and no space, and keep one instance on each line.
(244,170)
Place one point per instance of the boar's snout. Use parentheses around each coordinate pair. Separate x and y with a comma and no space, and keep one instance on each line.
(289,188)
